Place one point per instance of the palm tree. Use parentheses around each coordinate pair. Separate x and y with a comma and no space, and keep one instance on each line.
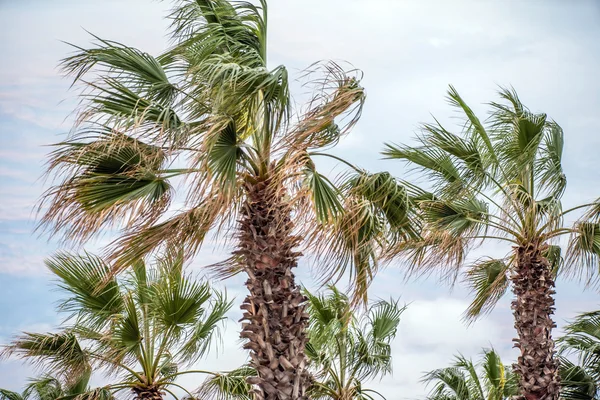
(464,380)
(581,380)
(47,387)
(502,181)
(345,350)
(142,328)
(212,111)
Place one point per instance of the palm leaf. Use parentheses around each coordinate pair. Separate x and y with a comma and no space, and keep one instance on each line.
(227,386)
(94,293)
(488,280)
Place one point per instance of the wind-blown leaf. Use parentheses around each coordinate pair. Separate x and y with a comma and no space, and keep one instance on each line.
(488,280)
(94,292)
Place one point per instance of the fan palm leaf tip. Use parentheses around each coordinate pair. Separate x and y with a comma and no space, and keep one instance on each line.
(501,180)
(145,328)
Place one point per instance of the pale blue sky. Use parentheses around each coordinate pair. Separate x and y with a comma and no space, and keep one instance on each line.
(409,51)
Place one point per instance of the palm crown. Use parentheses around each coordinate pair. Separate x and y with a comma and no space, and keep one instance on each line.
(212,103)
(48,387)
(503,180)
(143,328)
(465,380)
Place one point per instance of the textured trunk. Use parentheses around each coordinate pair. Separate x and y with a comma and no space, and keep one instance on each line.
(274,311)
(533,307)
(150,392)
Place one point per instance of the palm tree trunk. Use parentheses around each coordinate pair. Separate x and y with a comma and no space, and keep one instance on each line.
(151,392)
(274,311)
(533,285)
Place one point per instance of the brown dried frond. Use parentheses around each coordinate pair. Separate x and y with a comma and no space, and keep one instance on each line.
(186,230)
(350,245)
(336,94)
(106,181)
(438,251)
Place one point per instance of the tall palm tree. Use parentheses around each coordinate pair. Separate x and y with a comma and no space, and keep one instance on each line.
(502,181)
(212,111)
(581,380)
(345,349)
(142,328)
(464,380)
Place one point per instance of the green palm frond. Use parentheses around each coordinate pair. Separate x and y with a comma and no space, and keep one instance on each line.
(43,388)
(576,381)
(475,127)
(94,293)
(463,217)
(488,280)
(227,386)
(582,339)
(206,331)
(178,300)
(141,69)
(59,352)
(436,164)
(552,178)
(10,395)
(326,197)
(465,380)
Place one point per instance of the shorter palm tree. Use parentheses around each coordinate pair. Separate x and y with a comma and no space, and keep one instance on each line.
(141,328)
(464,380)
(48,387)
(345,351)
(581,380)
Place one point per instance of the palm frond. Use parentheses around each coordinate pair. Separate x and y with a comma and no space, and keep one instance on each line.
(576,382)
(6,394)
(227,386)
(207,330)
(583,252)
(94,295)
(140,70)
(58,352)
(549,163)
(488,280)
(112,177)
(44,388)
(475,124)
(185,230)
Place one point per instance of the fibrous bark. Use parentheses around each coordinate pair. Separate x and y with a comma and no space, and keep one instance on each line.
(274,311)
(148,392)
(533,307)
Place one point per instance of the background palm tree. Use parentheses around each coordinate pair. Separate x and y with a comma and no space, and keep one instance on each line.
(141,329)
(502,181)
(581,380)
(47,387)
(464,380)
(345,348)
(212,111)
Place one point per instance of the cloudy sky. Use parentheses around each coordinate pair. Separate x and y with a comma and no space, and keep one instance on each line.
(409,52)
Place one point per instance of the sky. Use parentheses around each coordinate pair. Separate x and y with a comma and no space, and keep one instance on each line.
(409,51)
